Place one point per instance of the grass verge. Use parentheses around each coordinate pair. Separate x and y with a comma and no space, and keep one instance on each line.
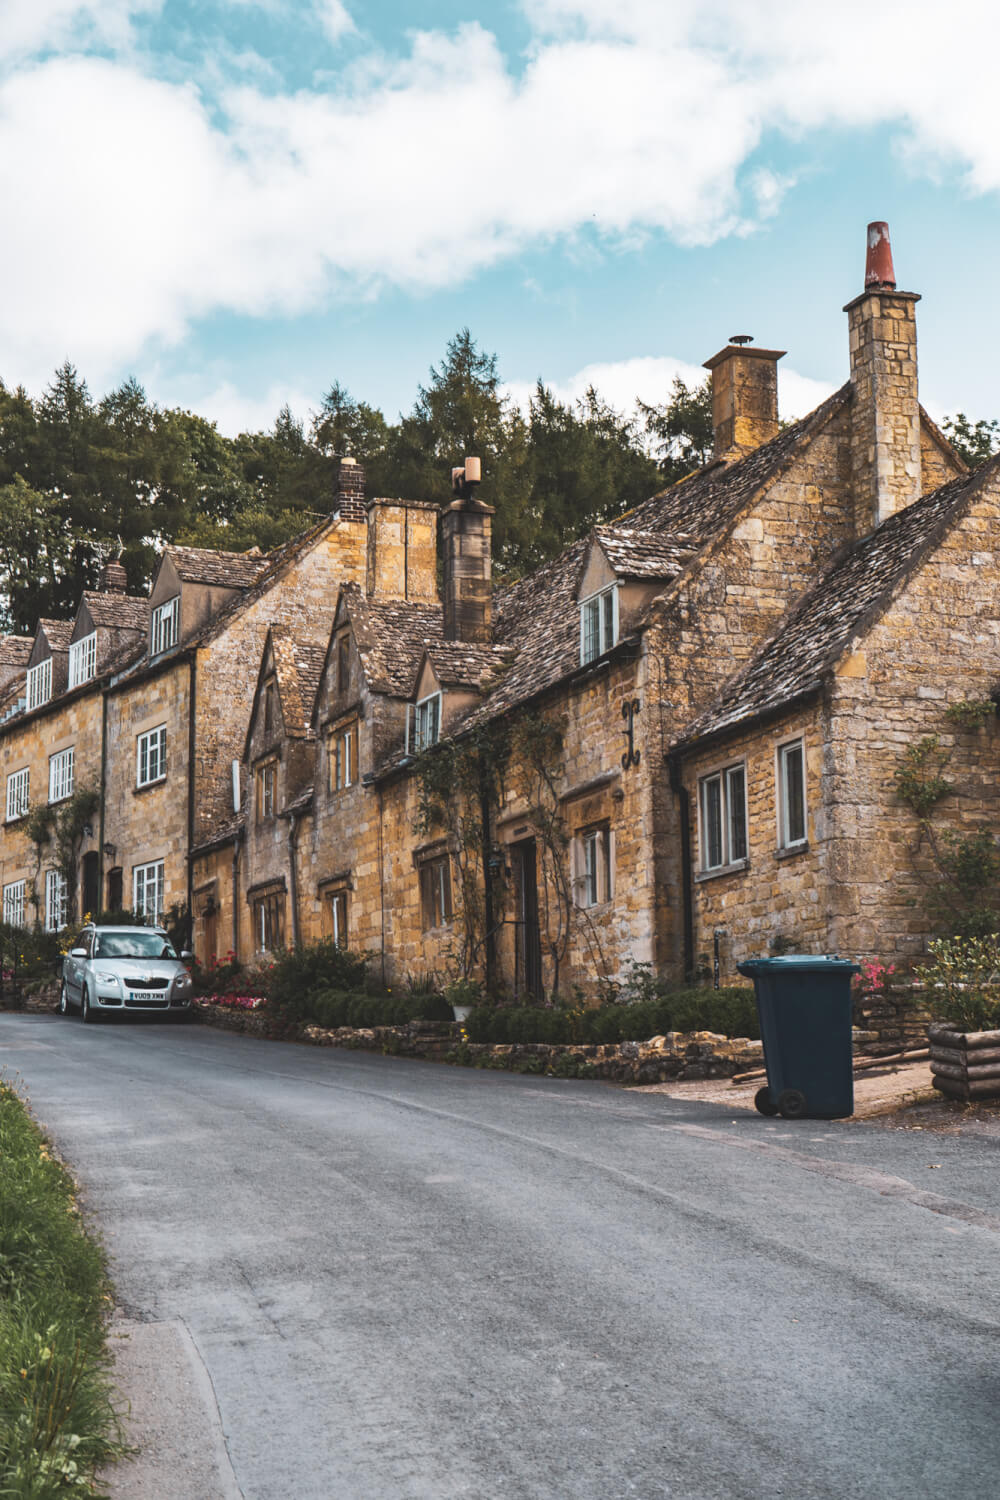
(57,1422)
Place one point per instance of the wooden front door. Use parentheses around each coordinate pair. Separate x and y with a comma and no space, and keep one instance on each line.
(528,942)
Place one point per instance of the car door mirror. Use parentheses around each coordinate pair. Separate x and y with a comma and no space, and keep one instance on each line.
(78,953)
(186,954)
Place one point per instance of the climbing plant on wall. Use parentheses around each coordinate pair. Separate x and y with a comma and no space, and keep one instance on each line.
(962,888)
(58,830)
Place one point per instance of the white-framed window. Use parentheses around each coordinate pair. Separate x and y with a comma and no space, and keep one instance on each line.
(13,904)
(56,901)
(17,794)
(147,890)
(83,659)
(40,683)
(344,757)
(164,626)
(151,756)
(722,809)
(61,774)
(791,794)
(267,790)
(425,728)
(337,901)
(593,883)
(598,624)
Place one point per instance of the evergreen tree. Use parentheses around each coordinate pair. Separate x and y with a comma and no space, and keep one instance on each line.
(681,429)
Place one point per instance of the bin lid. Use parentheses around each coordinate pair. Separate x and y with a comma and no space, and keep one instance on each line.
(798,963)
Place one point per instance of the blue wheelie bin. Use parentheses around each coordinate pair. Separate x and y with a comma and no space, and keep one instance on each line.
(804,1004)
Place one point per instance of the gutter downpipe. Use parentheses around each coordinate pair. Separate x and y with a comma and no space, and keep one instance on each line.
(687,884)
(104,784)
(236,892)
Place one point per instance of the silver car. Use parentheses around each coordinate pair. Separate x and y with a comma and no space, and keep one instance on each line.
(114,969)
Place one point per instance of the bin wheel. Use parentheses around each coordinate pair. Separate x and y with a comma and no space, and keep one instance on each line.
(764,1104)
(791,1104)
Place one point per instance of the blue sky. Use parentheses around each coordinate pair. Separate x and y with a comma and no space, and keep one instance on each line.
(241,201)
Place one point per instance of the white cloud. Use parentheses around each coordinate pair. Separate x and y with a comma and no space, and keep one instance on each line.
(650,379)
(335,19)
(136,205)
(232,410)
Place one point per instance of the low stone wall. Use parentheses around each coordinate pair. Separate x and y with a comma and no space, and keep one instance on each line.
(893,1022)
(677,1055)
(34,996)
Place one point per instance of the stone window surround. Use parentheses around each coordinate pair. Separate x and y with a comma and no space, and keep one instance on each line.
(784,845)
(62,768)
(149,740)
(266,901)
(728,866)
(334,892)
(265,779)
(13,903)
(433,866)
(18,793)
(344,730)
(592,854)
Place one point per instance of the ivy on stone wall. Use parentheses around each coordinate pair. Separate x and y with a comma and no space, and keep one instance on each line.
(58,830)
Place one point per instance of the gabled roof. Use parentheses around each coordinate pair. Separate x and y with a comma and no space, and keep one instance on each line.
(855,590)
(699,507)
(464,664)
(231,570)
(112,611)
(634,553)
(391,636)
(298,666)
(15,650)
(57,633)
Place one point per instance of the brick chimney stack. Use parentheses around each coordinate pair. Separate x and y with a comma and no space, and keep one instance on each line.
(466,538)
(114,579)
(744,397)
(885,414)
(349,496)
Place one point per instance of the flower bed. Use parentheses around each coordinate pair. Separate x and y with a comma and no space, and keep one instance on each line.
(232,1002)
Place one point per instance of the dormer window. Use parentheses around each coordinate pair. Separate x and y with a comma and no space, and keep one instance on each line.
(83,659)
(598,624)
(425,728)
(343,663)
(40,683)
(164,632)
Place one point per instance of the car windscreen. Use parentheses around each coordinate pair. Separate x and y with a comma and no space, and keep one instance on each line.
(133,945)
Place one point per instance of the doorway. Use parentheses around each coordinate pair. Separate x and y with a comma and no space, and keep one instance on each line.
(91,885)
(527,938)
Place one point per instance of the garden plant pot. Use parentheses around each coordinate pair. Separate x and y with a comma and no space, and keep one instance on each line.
(965,1064)
(461,1011)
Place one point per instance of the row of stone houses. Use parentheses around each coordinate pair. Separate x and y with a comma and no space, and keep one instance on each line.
(684,730)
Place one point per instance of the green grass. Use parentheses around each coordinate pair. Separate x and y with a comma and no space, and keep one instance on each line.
(57,1422)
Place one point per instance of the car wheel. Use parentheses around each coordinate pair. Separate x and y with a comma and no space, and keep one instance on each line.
(63,1000)
(85,1010)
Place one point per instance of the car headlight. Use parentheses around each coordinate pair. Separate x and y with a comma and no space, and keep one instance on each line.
(182,981)
(106,978)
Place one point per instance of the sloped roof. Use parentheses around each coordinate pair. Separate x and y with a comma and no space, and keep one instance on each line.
(391,636)
(298,666)
(464,664)
(57,633)
(15,650)
(853,592)
(231,570)
(702,505)
(112,611)
(634,553)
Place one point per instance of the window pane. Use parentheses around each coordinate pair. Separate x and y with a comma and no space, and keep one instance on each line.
(608,601)
(736,788)
(591,630)
(794,795)
(712,821)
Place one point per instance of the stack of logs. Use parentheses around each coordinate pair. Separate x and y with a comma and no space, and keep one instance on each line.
(965,1064)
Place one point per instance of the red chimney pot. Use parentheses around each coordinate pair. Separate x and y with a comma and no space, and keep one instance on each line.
(879,271)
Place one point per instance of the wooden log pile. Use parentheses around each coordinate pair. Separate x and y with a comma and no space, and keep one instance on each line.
(965,1064)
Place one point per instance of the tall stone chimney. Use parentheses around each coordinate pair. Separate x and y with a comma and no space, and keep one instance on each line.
(349,495)
(744,397)
(466,542)
(885,415)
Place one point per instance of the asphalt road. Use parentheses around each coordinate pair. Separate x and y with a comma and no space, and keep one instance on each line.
(411,1281)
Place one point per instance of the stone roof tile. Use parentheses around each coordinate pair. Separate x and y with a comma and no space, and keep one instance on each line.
(231,570)
(298,668)
(855,590)
(113,611)
(15,650)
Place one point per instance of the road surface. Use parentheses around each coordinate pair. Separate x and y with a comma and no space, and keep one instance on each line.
(410,1282)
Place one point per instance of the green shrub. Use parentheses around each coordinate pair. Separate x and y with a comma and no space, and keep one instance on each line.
(963,981)
(332,1008)
(730,1012)
(300,972)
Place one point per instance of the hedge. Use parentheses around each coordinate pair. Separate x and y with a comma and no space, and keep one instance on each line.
(729,1012)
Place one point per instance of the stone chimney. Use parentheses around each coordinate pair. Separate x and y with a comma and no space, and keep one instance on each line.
(744,396)
(466,542)
(885,415)
(349,496)
(114,579)
(402,550)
